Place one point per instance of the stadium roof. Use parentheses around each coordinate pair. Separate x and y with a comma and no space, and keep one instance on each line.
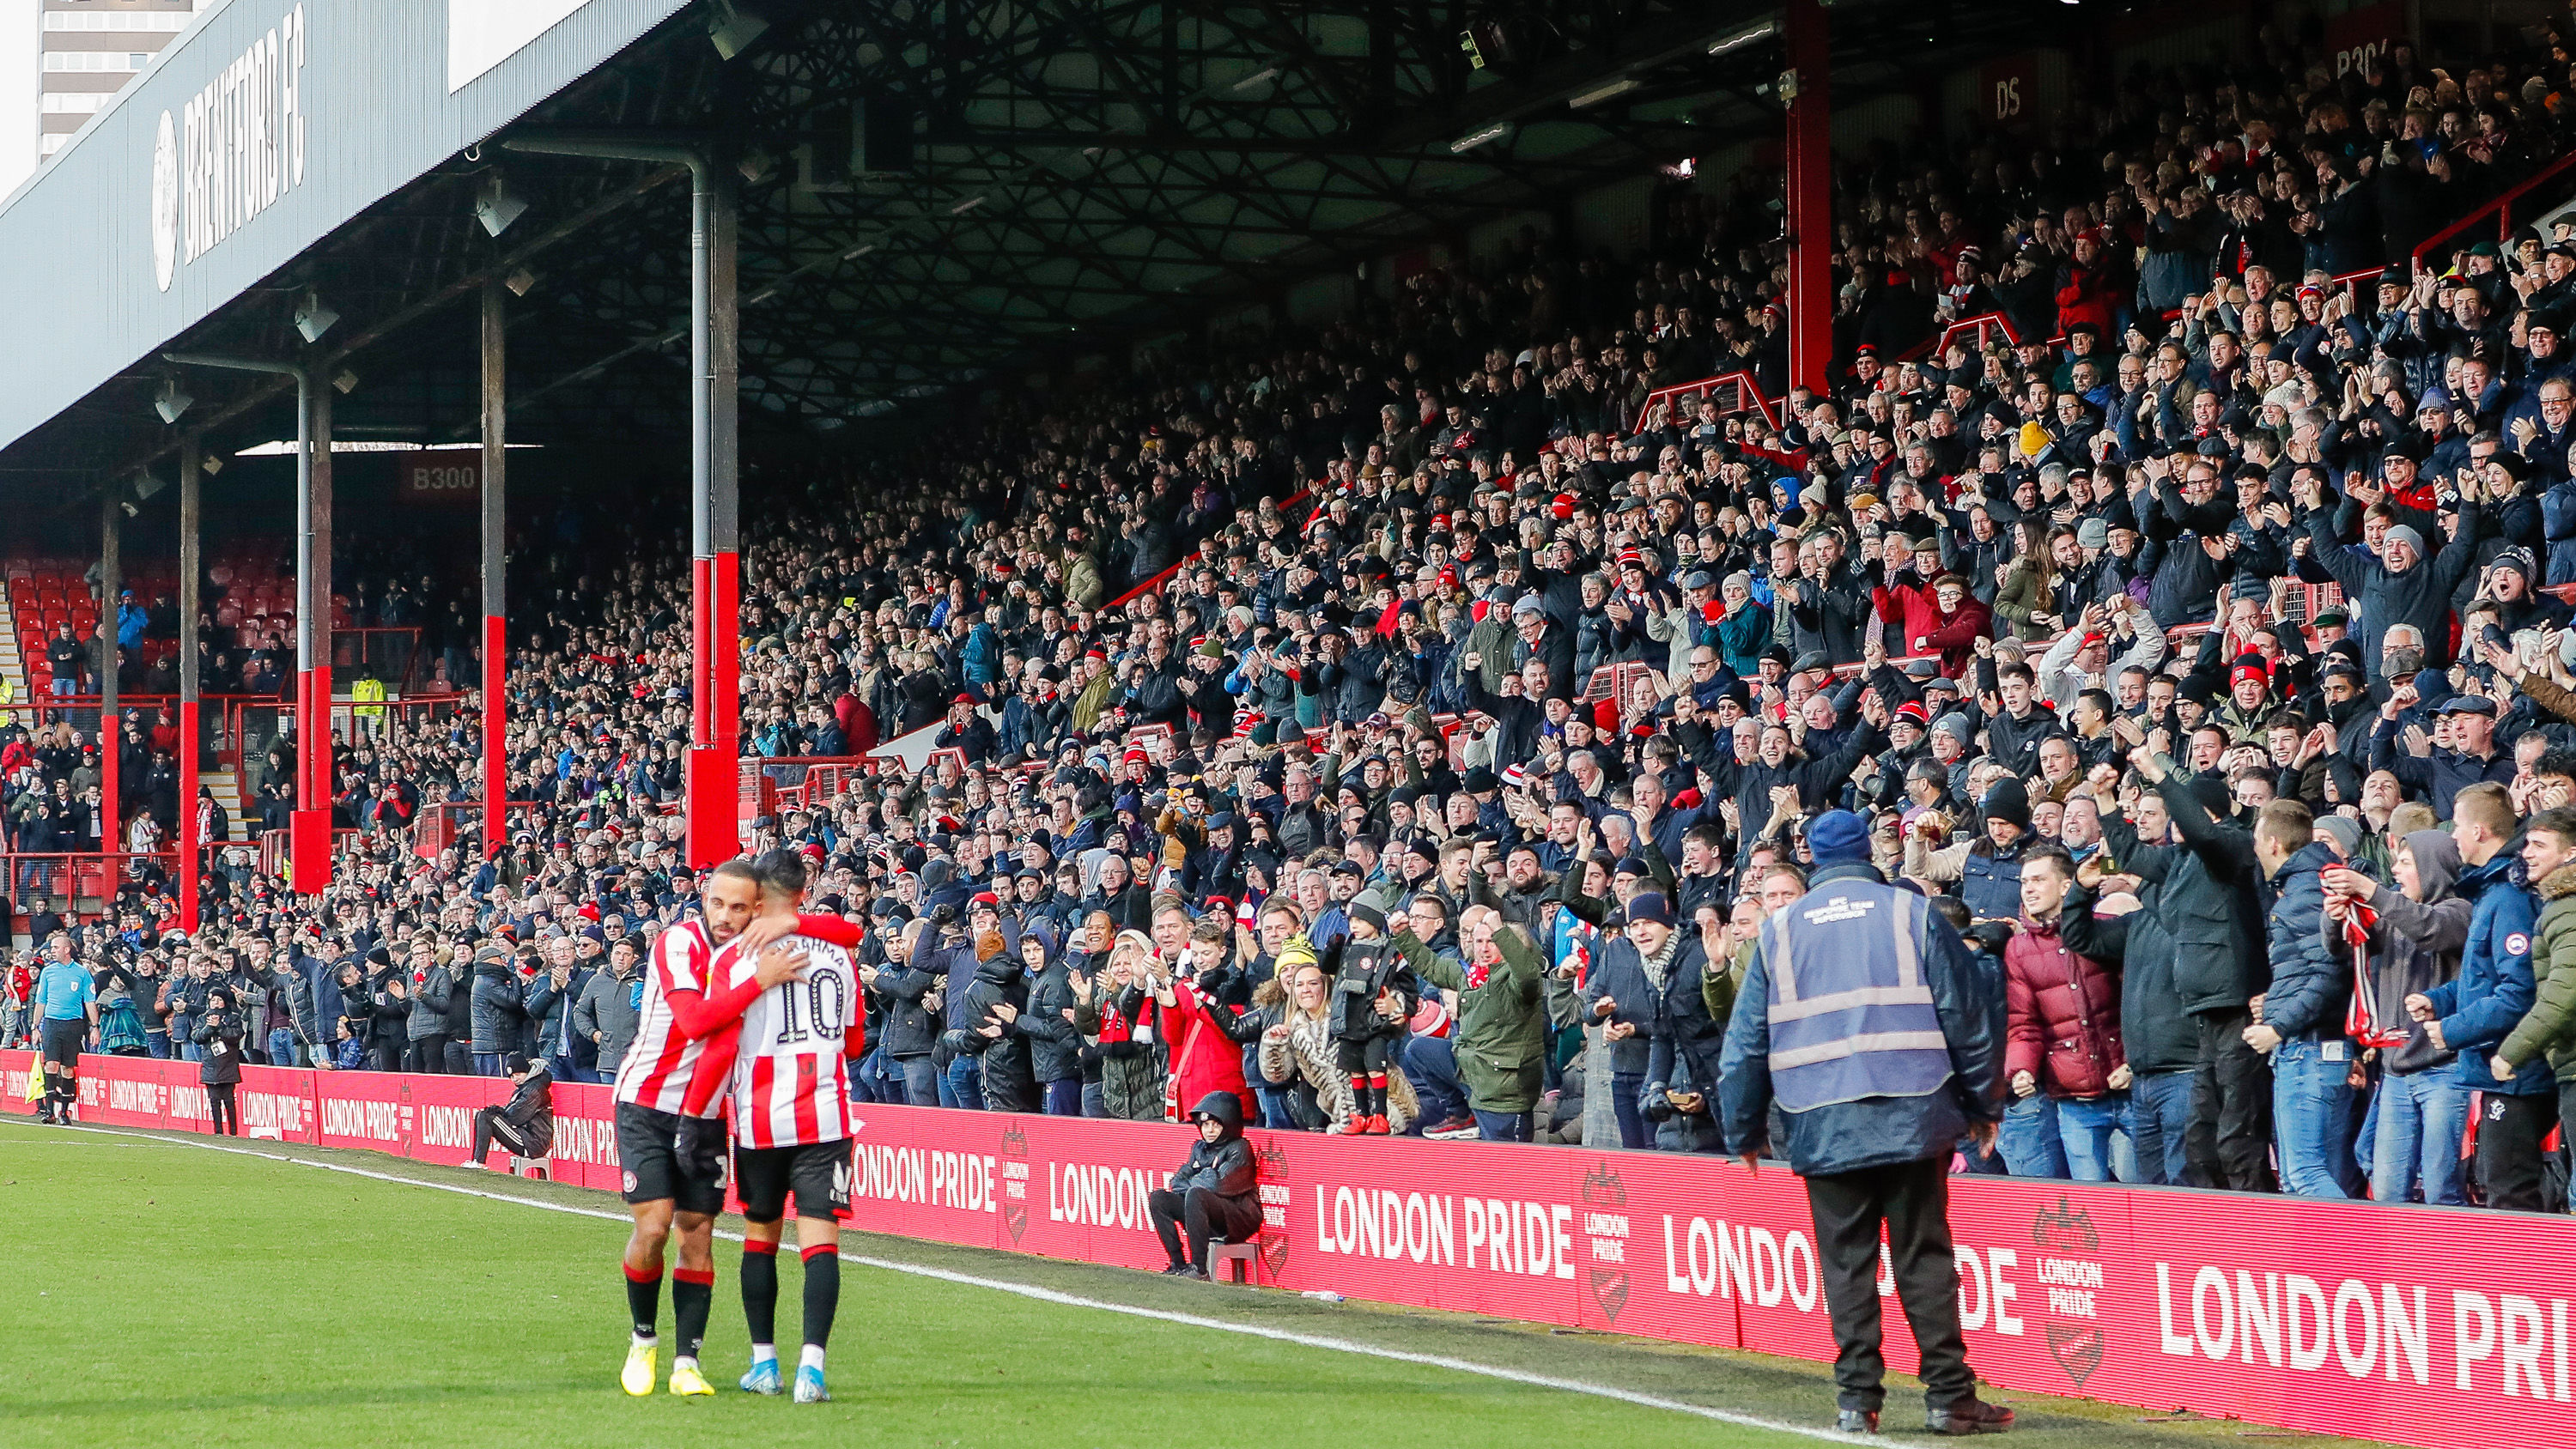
(931,192)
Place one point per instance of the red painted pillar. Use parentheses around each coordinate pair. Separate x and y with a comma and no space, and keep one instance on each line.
(496,757)
(192,842)
(304,739)
(191,845)
(110,742)
(1810,199)
(496,564)
(310,841)
(714,783)
(711,787)
(702,689)
(724,643)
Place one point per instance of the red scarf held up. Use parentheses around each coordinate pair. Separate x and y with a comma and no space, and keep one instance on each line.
(2361,1019)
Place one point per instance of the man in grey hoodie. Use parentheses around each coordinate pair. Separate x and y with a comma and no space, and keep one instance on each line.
(2414,934)
(425,1030)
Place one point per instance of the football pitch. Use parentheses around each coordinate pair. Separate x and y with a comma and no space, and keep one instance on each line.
(162,1289)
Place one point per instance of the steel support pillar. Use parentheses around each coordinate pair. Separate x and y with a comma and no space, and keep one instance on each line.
(309,839)
(1810,199)
(111,732)
(496,520)
(714,796)
(715,527)
(192,842)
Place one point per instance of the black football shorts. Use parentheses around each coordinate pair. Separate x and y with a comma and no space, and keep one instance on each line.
(818,1173)
(660,1166)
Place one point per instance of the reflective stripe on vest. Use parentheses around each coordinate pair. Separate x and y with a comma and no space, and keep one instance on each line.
(1851,1015)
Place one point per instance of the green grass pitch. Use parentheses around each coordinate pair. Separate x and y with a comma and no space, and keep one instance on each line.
(159,1292)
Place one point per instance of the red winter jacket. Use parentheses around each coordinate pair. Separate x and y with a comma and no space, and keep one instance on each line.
(2091,294)
(2062,1015)
(1954,636)
(1204,1059)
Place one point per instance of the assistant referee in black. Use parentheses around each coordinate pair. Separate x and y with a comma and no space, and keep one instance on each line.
(1868,1022)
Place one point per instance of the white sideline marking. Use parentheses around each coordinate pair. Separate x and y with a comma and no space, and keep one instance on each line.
(1069,1300)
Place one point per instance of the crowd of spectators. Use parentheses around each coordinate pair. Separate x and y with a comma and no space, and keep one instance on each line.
(2192,646)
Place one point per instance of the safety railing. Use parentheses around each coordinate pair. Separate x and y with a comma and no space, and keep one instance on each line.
(1155,583)
(218,740)
(1978,332)
(253,723)
(2499,211)
(459,823)
(391,655)
(276,851)
(79,883)
(1739,392)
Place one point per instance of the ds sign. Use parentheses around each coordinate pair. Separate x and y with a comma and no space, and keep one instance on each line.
(2009,89)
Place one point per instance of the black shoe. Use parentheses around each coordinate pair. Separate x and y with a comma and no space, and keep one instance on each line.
(1856,1421)
(1194,1274)
(1179,1270)
(1968,1416)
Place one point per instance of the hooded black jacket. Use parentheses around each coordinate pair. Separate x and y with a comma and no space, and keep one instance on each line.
(2156,1035)
(1008,1084)
(2204,895)
(1224,1167)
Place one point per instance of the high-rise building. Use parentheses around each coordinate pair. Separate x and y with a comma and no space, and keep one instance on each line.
(91,49)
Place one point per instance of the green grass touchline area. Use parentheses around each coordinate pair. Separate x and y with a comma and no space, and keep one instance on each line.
(164,1292)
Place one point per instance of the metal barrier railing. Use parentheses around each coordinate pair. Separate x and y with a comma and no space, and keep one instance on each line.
(1739,391)
(85,882)
(392,655)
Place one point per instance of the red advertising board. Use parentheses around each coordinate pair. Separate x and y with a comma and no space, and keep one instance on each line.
(2413,1325)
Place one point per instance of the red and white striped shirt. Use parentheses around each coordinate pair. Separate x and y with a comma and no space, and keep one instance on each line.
(664,1059)
(791,1078)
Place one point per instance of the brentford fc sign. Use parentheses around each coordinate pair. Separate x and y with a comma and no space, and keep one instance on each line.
(233,150)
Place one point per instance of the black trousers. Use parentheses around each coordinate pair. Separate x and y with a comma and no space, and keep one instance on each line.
(60,1045)
(1913,1200)
(219,1106)
(1208,1217)
(2229,1142)
(2567,1124)
(490,1127)
(460,1056)
(2509,1133)
(427,1054)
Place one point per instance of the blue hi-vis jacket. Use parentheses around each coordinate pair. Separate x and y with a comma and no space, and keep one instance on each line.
(1851,1015)
(1864,1016)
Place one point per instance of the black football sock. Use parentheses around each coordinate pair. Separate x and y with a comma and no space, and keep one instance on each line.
(644,1299)
(822,1293)
(693,1292)
(760,1291)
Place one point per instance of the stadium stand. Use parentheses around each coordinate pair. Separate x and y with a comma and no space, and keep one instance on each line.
(2240,463)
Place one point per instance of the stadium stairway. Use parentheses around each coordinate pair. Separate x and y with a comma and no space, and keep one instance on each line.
(227,787)
(13,666)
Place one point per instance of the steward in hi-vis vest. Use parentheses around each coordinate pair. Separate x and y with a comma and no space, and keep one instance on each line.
(1864,1017)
